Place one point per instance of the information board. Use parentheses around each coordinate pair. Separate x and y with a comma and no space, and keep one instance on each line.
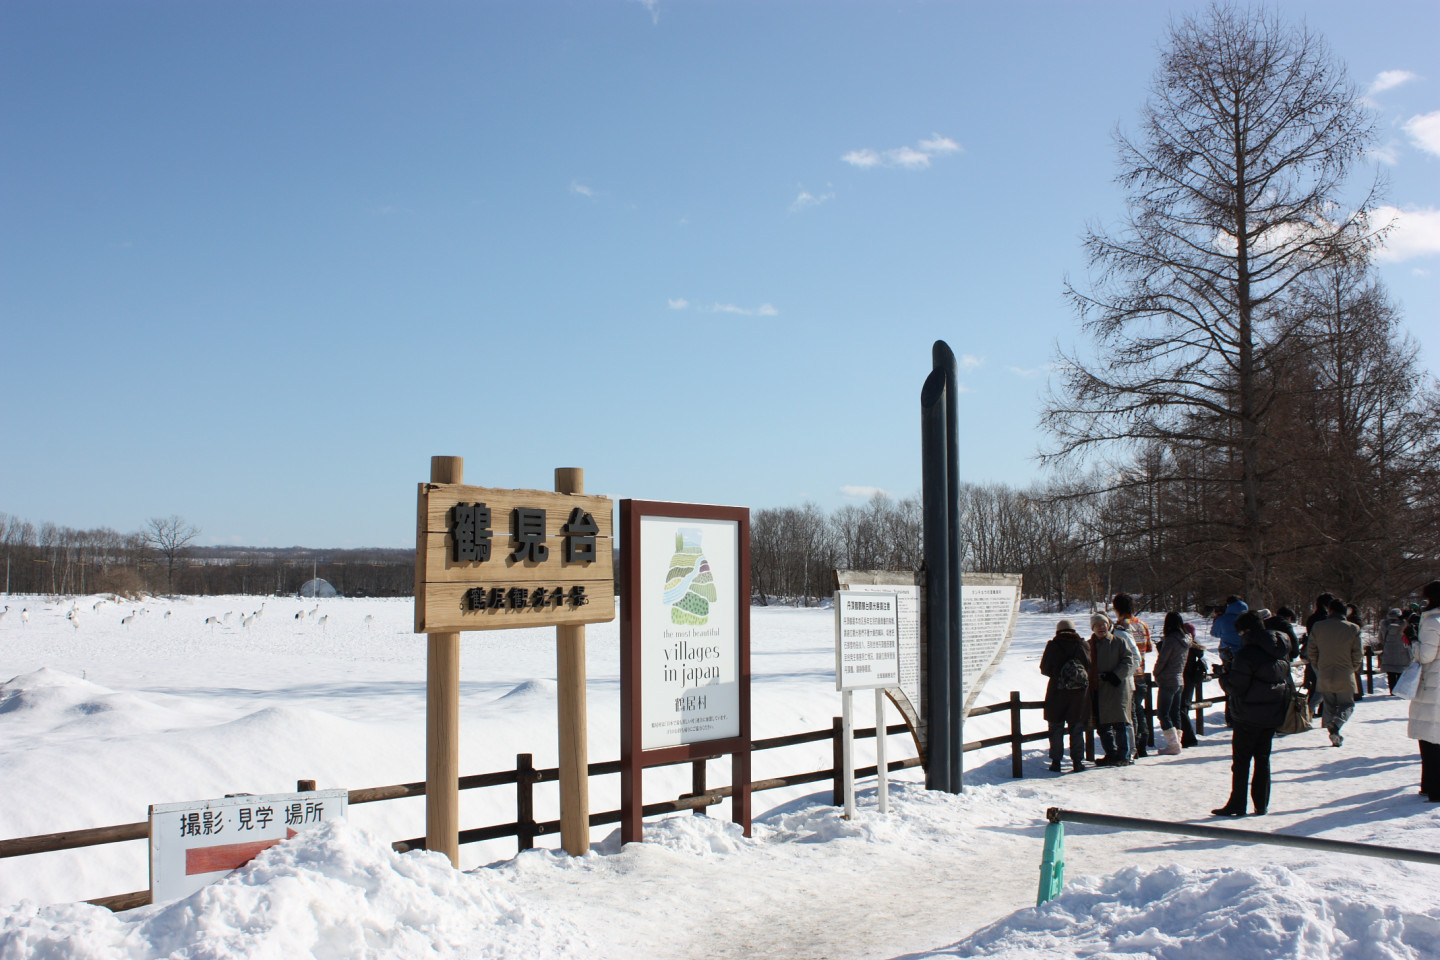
(684,647)
(990,604)
(197,842)
(867,653)
(689,631)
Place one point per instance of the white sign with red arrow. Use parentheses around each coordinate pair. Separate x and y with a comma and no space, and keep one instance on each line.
(198,842)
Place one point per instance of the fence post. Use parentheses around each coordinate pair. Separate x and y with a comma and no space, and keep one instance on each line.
(304,786)
(1090,743)
(697,783)
(1017,767)
(1369,670)
(837,740)
(1149,710)
(525,800)
(1200,708)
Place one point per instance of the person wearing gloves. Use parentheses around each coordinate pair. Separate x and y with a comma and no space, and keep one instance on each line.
(1114,661)
(1169,671)
(1258,685)
(1425,707)
(1066,661)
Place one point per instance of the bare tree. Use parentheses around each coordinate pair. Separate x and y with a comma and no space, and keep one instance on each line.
(1234,188)
(170,536)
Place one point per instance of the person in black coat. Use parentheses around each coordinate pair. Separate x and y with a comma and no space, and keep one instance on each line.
(1067,707)
(1258,687)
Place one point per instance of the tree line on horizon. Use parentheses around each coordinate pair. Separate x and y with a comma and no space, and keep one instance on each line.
(48,558)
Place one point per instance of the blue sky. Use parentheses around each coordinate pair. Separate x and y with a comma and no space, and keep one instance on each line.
(259,261)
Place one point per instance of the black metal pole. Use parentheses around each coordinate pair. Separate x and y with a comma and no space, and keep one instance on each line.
(944,359)
(1057,815)
(935,490)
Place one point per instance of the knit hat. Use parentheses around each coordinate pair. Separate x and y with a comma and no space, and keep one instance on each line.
(1263,613)
(1100,620)
(1393,613)
(1064,625)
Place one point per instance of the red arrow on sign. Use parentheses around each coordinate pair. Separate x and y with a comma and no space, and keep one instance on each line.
(226,857)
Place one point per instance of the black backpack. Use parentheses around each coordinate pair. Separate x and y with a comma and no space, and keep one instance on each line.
(1196,667)
(1073,675)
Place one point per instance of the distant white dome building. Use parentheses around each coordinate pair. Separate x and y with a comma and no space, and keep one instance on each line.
(318,588)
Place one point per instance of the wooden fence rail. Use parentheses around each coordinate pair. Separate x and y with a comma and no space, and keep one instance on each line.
(525,828)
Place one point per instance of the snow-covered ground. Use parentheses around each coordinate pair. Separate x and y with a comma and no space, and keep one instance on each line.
(101,719)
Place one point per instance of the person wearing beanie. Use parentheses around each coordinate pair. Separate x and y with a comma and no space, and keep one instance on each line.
(1114,661)
(1066,661)
(1129,627)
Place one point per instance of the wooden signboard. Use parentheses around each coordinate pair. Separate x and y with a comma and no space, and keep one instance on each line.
(490,559)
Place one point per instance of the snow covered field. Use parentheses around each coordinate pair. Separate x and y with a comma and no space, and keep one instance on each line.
(99,719)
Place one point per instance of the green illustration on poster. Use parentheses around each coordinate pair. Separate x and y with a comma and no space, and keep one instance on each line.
(689,584)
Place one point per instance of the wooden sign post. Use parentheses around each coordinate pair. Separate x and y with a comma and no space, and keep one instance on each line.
(488,559)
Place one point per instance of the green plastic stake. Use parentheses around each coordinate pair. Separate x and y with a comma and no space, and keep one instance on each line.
(1052,864)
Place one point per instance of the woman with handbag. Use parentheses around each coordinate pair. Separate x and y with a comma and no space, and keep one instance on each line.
(1258,687)
(1425,706)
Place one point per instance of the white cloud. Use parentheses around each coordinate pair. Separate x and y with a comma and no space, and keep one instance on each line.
(1414,233)
(1388,153)
(863,492)
(864,159)
(654,7)
(806,200)
(581,189)
(1424,131)
(906,158)
(939,145)
(764,310)
(1030,371)
(678,303)
(968,361)
(1389,80)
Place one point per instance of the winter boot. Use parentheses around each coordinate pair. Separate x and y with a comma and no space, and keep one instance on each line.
(1172,743)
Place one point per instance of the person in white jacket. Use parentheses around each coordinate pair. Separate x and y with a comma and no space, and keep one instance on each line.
(1425,708)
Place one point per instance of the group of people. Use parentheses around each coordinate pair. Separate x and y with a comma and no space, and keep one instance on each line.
(1100,681)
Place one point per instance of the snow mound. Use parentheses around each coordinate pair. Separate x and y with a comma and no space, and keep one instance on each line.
(1174,913)
(331,892)
(531,690)
(54,701)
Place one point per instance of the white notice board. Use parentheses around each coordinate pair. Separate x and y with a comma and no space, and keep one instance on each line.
(199,841)
(867,631)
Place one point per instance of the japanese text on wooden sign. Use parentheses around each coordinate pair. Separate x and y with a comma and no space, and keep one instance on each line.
(867,630)
(199,841)
(489,559)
